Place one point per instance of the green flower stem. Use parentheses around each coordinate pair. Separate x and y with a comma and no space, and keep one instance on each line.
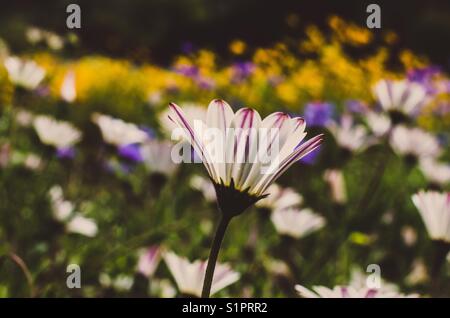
(215,248)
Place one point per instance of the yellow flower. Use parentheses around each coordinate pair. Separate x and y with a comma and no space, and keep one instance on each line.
(350,33)
(410,60)
(315,40)
(6,87)
(237,47)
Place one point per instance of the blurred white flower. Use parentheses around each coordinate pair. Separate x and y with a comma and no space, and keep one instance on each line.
(336,182)
(379,124)
(34,35)
(26,74)
(118,132)
(348,292)
(157,156)
(402,96)
(189,276)
(414,142)
(418,274)
(349,136)
(296,223)
(360,280)
(192,111)
(82,225)
(434,207)
(24,118)
(163,288)
(154,98)
(388,217)
(435,171)
(59,134)
(280,198)
(205,186)
(62,209)
(149,259)
(409,235)
(121,282)
(277,267)
(68,88)
(54,41)
(32,162)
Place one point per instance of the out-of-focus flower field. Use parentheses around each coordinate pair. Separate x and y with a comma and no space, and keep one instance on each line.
(86,175)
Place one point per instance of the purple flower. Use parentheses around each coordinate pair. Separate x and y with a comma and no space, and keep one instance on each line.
(187,70)
(43,91)
(65,153)
(356,106)
(425,77)
(130,152)
(242,70)
(318,113)
(205,83)
(149,131)
(310,158)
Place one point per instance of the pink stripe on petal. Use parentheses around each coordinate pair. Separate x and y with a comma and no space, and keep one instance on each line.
(194,140)
(299,153)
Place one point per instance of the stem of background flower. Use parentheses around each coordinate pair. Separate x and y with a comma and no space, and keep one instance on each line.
(215,248)
(24,268)
(373,184)
(440,251)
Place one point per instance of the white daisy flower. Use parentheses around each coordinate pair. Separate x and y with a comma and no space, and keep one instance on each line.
(192,111)
(24,118)
(121,282)
(62,209)
(296,223)
(118,132)
(347,292)
(414,142)
(34,35)
(189,276)
(204,186)
(349,136)
(82,225)
(232,158)
(360,280)
(32,161)
(163,288)
(403,96)
(157,156)
(59,134)
(409,235)
(435,171)
(149,260)
(336,181)
(54,41)
(280,198)
(26,74)
(379,124)
(68,88)
(434,207)
(418,274)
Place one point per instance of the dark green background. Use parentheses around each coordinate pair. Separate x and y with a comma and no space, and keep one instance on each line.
(156,29)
